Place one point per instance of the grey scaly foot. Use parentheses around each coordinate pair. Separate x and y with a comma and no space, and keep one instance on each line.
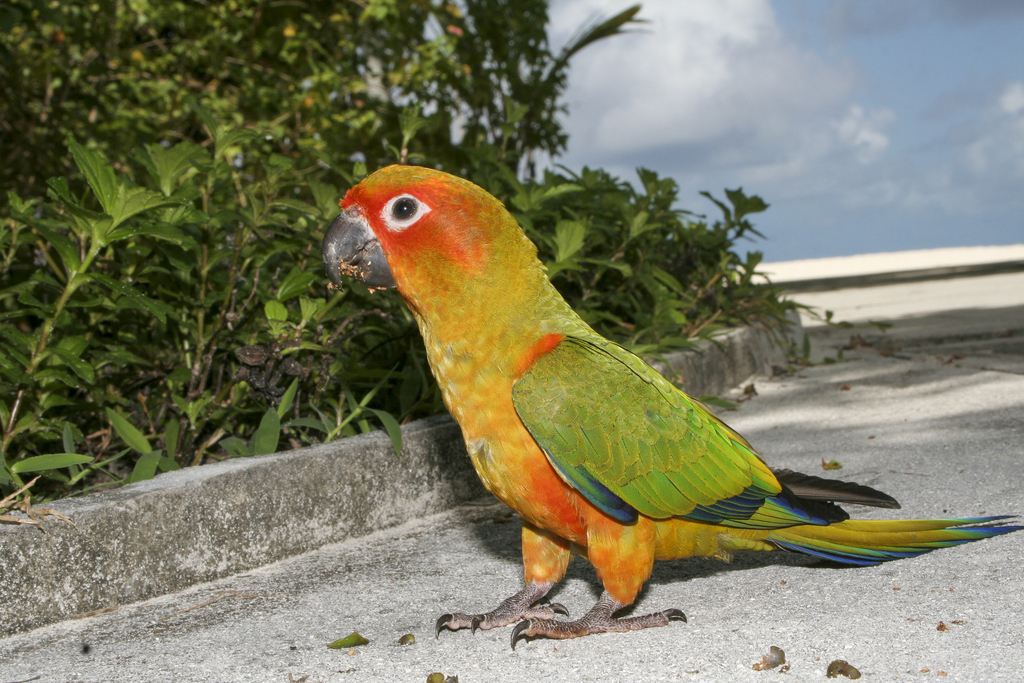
(597,620)
(522,605)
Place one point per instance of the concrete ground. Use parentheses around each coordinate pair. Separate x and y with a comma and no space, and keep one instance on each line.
(914,299)
(930,411)
(861,265)
(891,286)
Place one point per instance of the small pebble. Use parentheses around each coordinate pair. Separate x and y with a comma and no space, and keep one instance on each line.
(771,660)
(841,667)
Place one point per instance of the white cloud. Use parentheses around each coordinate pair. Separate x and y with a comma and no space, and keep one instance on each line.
(702,72)
(978,164)
(1012,99)
(862,132)
(1000,147)
(716,87)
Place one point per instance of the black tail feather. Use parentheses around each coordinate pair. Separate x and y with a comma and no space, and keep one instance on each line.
(809,487)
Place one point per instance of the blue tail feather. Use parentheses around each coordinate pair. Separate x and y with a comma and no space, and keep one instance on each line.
(864,553)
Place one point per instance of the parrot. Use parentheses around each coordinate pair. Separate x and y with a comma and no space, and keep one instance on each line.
(596,451)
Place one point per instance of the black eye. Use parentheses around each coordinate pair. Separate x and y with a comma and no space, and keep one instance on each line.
(404,208)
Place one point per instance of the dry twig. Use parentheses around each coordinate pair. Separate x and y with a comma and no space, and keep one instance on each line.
(35,515)
(230,594)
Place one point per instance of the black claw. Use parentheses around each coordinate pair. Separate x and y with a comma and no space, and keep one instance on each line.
(442,621)
(559,608)
(517,632)
(476,623)
(675,615)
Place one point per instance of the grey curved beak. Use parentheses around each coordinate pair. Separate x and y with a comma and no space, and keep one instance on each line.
(351,248)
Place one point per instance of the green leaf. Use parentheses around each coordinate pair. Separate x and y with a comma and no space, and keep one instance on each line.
(310,422)
(599,30)
(568,239)
(167,464)
(743,204)
(267,434)
(514,113)
(53,461)
(60,191)
(31,305)
(310,346)
(98,173)
(288,398)
(275,310)
(168,165)
(310,307)
(171,436)
(326,198)
(74,345)
(394,430)
(726,212)
(235,446)
(667,279)
(137,299)
(296,282)
(131,201)
(192,409)
(65,248)
(351,640)
(410,122)
(621,266)
(226,139)
(60,375)
(79,367)
(68,437)
(145,467)
(223,137)
(128,433)
(639,224)
(166,231)
(559,190)
(203,112)
(297,205)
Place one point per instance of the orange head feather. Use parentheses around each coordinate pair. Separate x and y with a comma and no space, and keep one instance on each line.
(451,225)
(441,235)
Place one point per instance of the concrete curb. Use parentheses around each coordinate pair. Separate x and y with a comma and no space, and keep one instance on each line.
(204,523)
(828,284)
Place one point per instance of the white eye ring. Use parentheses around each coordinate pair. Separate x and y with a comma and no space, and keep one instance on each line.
(402,211)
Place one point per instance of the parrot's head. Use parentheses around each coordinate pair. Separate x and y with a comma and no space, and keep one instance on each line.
(428,233)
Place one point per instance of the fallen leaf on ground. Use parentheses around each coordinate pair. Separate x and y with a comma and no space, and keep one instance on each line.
(351,640)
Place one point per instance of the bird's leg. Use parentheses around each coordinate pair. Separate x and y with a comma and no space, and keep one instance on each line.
(598,620)
(545,559)
(523,605)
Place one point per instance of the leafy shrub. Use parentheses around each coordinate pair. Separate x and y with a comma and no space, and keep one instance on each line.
(178,306)
(164,303)
(322,78)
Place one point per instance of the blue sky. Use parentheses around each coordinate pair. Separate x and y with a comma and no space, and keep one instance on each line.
(868,126)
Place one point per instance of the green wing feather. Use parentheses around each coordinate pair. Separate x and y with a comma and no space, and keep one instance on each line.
(630,442)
